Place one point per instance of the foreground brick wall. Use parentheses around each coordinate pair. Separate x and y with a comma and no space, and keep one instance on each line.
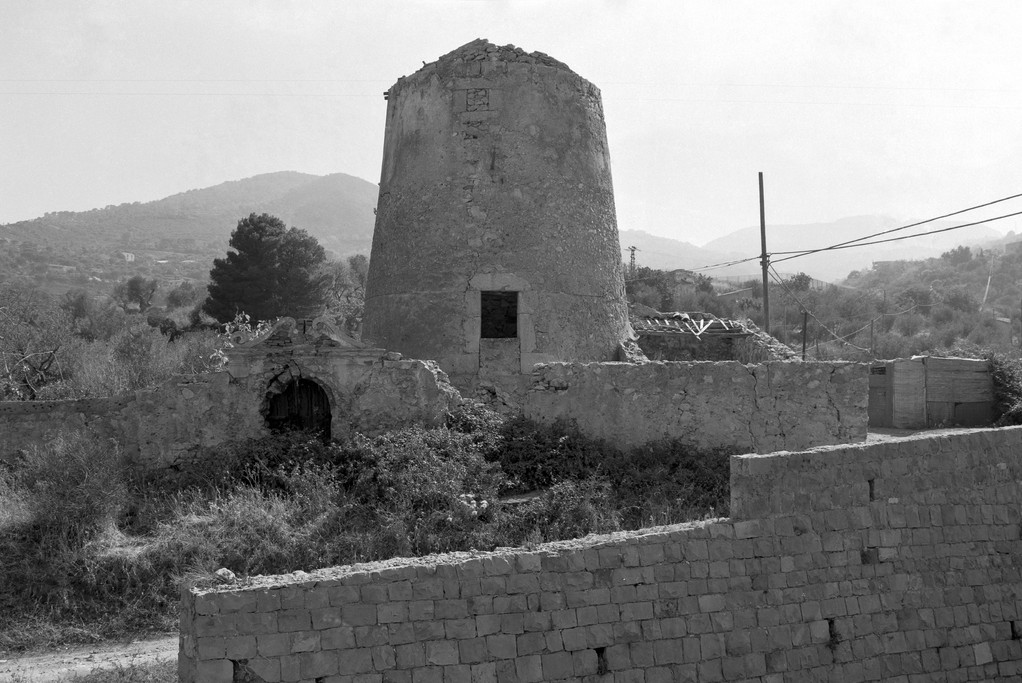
(762,408)
(883,561)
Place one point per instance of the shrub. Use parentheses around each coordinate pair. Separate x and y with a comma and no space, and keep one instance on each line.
(669,482)
(72,489)
(535,456)
(79,543)
(569,509)
(60,552)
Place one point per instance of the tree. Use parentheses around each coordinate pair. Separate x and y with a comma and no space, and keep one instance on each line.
(34,332)
(270,271)
(960,254)
(137,291)
(650,287)
(184,295)
(799,282)
(346,291)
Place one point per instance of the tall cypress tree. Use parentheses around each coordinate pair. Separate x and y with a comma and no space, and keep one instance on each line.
(270,271)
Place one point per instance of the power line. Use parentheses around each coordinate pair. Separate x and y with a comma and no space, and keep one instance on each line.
(778,280)
(848,245)
(856,242)
(906,227)
(725,264)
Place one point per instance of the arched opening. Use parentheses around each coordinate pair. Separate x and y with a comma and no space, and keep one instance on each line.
(302,405)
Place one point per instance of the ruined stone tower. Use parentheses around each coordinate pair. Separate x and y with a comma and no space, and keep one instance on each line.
(496,243)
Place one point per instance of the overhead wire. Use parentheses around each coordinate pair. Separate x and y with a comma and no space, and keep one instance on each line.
(860,241)
(778,280)
(849,245)
(724,264)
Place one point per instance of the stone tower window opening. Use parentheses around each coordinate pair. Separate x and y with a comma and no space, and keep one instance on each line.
(499,315)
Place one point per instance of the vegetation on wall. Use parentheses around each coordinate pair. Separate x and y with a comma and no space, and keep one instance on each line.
(89,551)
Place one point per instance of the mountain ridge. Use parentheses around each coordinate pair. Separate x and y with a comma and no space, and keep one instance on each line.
(336,208)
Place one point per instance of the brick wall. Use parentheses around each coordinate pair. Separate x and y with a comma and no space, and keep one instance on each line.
(880,561)
(762,408)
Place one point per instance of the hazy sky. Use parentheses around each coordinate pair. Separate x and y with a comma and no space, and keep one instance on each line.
(909,108)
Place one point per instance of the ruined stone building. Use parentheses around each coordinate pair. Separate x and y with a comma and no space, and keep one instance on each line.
(495,259)
(496,243)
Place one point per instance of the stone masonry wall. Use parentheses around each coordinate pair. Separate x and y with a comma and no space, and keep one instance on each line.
(897,561)
(169,425)
(744,408)
(27,424)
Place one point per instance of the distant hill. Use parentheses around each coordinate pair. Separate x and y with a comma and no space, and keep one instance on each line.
(337,209)
(665,253)
(175,239)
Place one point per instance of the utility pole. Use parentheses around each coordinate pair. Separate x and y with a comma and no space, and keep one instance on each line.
(764,258)
(631,262)
(805,324)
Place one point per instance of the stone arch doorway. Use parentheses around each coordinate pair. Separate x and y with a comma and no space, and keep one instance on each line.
(302,404)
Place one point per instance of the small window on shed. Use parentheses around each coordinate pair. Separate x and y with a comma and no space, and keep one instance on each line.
(499,315)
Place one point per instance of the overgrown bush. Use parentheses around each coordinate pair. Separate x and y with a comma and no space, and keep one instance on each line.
(81,542)
(536,456)
(61,553)
(569,509)
(71,490)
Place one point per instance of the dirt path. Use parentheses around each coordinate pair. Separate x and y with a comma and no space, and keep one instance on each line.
(66,663)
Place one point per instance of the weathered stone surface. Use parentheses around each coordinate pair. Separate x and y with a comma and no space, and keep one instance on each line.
(792,588)
(496,177)
(167,425)
(744,408)
(28,424)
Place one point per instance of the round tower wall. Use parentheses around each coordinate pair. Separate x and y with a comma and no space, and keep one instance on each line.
(496,177)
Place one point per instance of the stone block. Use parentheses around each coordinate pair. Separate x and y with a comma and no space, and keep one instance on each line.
(368,636)
(340,638)
(319,664)
(241,647)
(214,671)
(322,618)
(429,674)
(410,656)
(460,628)
(504,646)
(441,652)
(529,669)
(356,661)
(531,643)
(392,612)
(273,644)
(358,615)
(266,669)
(419,610)
(294,620)
(304,641)
(384,657)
